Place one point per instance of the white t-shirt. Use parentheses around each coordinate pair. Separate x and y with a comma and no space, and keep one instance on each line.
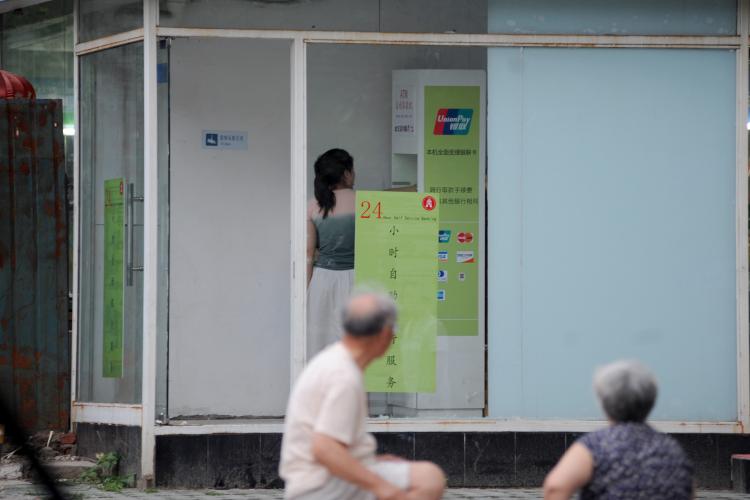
(328,398)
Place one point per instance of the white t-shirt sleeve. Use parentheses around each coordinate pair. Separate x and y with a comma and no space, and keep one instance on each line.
(339,414)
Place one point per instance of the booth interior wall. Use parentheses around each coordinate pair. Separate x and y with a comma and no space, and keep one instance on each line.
(229,234)
(349,94)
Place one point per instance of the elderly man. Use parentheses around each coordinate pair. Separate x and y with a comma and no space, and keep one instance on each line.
(326,452)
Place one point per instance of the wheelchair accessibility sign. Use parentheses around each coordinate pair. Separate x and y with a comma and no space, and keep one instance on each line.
(224,139)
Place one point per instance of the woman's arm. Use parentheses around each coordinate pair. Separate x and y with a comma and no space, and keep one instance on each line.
(573,471)
(312,243)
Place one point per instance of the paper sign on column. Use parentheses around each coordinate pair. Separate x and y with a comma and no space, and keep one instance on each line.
(404,118)
(395,248)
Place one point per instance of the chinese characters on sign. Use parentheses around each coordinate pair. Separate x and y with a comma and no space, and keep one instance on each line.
(224,139)
(404,121)
(395,249)
(113,301)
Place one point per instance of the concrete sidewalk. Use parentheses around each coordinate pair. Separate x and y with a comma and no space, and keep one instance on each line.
(26,491)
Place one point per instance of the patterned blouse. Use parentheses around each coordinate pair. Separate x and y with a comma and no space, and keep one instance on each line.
(633,461)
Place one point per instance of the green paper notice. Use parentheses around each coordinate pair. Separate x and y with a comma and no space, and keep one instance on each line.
(451,174)
(395,250)
(114,247)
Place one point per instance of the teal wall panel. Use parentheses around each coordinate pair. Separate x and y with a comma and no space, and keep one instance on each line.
(611,191)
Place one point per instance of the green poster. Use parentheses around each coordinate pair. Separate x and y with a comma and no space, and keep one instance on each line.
(114,269)
(395,251)
(451,174)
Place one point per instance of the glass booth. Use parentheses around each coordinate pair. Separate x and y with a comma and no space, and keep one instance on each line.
(555,245)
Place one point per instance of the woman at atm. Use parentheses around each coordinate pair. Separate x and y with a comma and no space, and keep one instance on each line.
(330,248)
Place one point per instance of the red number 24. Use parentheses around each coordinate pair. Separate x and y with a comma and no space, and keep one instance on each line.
(366,206)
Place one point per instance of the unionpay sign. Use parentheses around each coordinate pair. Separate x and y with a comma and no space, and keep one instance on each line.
(453,121)
(451,175)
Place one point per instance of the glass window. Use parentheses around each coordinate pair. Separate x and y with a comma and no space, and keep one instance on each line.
(613,17)
(441,16)
(381,104)
(588,17)
(612,199)
(100,18)
(111,249)
(37,43)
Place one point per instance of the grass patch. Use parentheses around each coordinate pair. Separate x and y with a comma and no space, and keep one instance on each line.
(104,475)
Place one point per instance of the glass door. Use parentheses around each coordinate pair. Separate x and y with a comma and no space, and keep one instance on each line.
(111,225)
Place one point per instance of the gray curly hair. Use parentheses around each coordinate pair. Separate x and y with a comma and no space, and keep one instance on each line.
(626,390)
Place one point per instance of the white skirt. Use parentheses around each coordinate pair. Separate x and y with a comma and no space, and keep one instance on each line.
(326,296)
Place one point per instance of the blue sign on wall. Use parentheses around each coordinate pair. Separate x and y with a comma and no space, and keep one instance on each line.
(224,139)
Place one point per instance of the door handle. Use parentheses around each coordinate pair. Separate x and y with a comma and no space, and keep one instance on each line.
(129,250)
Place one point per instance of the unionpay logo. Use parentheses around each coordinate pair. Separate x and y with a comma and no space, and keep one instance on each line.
(442,275)
(464,257)
(443,255)
(453,121)
(465,237)
(444,236)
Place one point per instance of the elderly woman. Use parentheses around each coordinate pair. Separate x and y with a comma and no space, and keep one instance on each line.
(627,459)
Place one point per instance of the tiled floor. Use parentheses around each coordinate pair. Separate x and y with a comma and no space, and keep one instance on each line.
(26,491)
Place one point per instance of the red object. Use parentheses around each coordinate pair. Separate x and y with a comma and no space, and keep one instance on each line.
(15,87)
(69,438)
(429,203)
(465,237)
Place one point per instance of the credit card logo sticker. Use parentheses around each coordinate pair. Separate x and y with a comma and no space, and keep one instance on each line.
(444,236)
(442,275)
(465,257)
(453,121)
(443,255)
(441,295)
(461,276)
(465,237)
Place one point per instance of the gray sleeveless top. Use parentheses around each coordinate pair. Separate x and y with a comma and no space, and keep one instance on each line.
(335,242)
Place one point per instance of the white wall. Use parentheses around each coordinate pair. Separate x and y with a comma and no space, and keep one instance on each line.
(230,232)
(349,100)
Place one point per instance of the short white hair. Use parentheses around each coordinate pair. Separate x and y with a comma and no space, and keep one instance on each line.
(626,390)
(371,321)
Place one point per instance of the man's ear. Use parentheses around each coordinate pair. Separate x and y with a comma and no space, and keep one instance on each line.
(387,336)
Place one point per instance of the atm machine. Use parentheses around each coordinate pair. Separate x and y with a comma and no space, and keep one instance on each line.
(438,145)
